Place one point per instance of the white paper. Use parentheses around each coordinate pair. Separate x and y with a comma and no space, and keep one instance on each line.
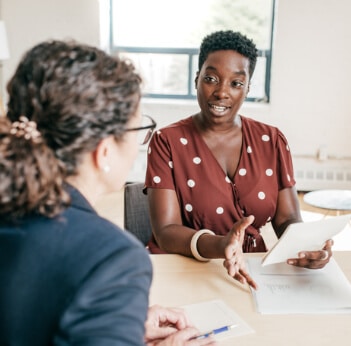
(285,289)
(305,236)
(209,315)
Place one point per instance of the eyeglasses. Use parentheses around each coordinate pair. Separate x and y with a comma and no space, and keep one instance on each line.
(146,130)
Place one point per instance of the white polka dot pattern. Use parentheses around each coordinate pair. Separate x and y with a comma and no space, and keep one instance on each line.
(196,160)
(191,183)
(180,160)
(242,171)
(269,172)
(219,210)
(261,195)
(156,179)
(188,207)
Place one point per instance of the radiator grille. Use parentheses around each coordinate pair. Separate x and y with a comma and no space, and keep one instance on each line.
(313,174)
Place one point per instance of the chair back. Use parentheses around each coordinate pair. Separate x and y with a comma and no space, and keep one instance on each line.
(136,212)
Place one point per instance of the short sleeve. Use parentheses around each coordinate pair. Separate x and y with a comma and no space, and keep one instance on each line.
(285,164)
(159,173)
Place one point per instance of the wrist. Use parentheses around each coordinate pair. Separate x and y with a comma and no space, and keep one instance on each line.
(194,241)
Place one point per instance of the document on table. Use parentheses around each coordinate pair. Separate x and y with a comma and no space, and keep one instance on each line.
(209,315)
(305,236)
(285,289)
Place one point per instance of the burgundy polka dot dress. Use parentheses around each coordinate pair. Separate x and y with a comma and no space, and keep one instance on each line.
(180,160)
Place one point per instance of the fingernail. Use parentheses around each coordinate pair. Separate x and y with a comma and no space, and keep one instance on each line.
(326,255)
(302,255)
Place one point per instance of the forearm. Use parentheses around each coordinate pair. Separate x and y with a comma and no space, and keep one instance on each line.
(288,210)
(211,246)
(280,229)
(176,239)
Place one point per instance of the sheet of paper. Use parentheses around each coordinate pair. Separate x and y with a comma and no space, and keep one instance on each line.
(305,236)
(285,289)
(213,314)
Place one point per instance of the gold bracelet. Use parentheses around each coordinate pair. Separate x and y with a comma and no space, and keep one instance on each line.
(193,244)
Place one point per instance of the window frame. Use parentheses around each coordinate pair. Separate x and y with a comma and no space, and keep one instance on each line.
(190,53)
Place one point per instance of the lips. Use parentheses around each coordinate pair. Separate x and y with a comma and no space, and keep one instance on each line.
(218,108)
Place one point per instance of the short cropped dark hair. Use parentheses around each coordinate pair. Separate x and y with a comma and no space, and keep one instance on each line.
(229,40)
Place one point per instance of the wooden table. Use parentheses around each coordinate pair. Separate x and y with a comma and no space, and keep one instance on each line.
(180,281)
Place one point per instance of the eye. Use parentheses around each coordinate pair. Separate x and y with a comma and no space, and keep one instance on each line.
(210,79)
(237,84)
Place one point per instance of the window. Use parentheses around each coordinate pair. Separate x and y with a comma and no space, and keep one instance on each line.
(163,37)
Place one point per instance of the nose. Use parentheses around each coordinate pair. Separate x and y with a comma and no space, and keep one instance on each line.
(222,90)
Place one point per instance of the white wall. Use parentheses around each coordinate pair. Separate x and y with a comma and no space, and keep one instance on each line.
(310,82)
(30,22)
(311,74)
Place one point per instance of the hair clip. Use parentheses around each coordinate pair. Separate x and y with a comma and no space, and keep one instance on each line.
(25,128)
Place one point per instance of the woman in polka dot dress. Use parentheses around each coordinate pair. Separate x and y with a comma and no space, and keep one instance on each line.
(215,178)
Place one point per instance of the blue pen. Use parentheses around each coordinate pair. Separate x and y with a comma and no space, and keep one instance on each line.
(217,331)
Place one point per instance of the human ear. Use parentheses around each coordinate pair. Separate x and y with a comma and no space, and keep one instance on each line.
(248,89)
(101,155)
(196,79)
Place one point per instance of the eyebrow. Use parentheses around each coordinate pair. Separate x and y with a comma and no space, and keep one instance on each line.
(238,72)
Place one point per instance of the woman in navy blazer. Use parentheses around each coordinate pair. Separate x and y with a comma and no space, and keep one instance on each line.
(68,276)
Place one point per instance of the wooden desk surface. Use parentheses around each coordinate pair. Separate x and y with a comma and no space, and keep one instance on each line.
(180,281)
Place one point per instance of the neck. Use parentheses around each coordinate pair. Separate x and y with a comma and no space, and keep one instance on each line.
(83,188)
(204,125)
(88,185)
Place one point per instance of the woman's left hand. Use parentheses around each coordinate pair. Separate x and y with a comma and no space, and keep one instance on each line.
(313,259)
(234,260)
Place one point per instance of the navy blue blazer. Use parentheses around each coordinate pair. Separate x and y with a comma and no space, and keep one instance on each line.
(76,279)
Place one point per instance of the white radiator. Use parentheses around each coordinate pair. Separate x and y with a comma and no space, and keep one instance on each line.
(314,174)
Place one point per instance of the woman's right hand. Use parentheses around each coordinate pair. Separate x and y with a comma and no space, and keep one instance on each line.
(184,337)
(234,260)
(171,327)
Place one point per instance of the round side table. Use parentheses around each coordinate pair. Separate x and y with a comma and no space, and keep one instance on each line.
(338,200)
